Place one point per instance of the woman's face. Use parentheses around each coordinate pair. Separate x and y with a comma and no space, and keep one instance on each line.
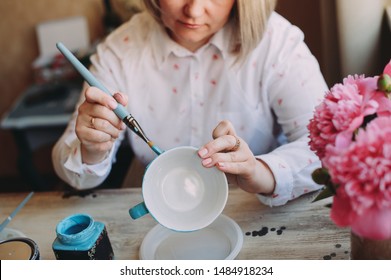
(191,23)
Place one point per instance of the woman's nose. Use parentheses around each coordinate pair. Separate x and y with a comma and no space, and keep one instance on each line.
(194,8)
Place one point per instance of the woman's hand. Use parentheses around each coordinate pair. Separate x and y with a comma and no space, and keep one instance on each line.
(97,126)
(231,154)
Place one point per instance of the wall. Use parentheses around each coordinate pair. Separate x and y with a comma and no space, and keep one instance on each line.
(317,20)
(330,59)
(19,48)
(364,37)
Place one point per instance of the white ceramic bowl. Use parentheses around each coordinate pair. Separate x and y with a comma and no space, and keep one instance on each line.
(9,233)
(180,193)
(221,240)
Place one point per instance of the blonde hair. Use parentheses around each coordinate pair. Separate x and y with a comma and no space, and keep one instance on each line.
(248,17)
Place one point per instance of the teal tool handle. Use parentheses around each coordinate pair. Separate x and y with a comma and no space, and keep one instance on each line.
(120,110)
(138,211)
(12,215)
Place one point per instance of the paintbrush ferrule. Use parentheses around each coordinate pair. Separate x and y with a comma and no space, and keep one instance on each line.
(131,122)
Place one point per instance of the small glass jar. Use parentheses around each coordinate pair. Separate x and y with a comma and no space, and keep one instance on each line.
(79,237)
(20,248)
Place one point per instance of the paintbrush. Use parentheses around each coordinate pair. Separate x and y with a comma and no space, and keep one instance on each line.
(17,209)
(120,110)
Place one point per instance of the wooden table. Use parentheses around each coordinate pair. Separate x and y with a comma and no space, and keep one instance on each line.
(298,230)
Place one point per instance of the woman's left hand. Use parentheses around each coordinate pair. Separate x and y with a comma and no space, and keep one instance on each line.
(232,155)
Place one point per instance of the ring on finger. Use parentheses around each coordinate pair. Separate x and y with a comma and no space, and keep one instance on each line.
(237,144)
(92,122)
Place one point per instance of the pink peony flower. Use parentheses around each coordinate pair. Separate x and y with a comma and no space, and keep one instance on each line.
(351,134)
(363,173)
(341,113)
(374,224)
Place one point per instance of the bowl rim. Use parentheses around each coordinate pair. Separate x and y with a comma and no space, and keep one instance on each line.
(156,216)
(160,231)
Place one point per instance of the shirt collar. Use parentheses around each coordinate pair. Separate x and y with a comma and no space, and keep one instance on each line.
(222,40)
(163,46)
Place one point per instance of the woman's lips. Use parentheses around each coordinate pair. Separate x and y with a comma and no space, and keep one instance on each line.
(191,25)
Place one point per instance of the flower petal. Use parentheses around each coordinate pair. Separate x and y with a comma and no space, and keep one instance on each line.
(374,224)
(387,69)
(341,211)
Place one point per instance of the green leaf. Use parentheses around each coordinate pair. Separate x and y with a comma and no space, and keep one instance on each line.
(325,193)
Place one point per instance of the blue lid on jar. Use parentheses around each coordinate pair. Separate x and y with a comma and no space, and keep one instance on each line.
(75,229)
(79,237)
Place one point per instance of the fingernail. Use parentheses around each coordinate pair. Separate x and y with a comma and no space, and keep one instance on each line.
(206,161)
(113,104)
(203,152)
(221,164)
(123,126)
(117,96)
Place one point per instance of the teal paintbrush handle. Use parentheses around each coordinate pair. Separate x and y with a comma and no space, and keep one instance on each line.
(17,209)
(120,110)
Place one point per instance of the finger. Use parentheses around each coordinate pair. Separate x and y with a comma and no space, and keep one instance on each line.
(235,168)
(103,125)
(217,158)
(225,127)
(87,111)
(223,143)
(121,98)
(102,112)
(95,95)
(88,135)
(89,125)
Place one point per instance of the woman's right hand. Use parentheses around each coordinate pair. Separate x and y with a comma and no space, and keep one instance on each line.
(97,126)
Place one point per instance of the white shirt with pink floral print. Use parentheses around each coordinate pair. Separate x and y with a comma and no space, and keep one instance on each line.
(178,97)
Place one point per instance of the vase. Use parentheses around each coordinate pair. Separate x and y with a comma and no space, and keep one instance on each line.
(362,248)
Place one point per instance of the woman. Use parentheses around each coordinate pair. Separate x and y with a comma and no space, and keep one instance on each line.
(231,77)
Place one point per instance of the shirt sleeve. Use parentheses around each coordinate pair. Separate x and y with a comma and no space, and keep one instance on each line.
(294,87)
(66,154)
(67,161)
(292,165)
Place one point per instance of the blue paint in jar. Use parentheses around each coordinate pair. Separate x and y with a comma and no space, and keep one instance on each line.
(80,237)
